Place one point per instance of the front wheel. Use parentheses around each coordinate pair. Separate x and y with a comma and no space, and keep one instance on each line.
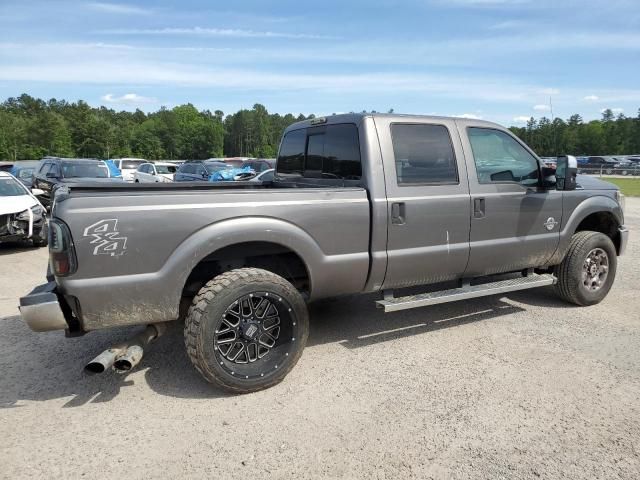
(588,270)
(246,329)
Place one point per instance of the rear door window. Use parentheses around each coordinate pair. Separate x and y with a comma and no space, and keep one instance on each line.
(423,154)
(200,170)
(187,168)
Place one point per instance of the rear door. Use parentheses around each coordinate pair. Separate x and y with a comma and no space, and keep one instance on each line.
(427,201)
(200,173)
(515,224)
(181,174)
(147,173)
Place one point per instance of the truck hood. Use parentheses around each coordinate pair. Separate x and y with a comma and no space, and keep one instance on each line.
(16,204)
(589,182)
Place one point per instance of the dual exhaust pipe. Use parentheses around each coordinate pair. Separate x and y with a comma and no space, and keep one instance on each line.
(125,356)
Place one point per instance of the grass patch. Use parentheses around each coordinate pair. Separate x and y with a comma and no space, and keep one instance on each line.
(628,186)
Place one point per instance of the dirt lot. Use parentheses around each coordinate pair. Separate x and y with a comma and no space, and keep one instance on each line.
(521,386)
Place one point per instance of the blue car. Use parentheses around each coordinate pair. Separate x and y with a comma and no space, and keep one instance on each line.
(198,170)
(231,174)
(23,171)
(114,171)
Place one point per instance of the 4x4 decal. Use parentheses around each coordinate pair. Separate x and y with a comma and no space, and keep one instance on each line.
(106,238)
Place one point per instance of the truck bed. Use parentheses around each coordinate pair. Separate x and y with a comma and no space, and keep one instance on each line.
(143,241)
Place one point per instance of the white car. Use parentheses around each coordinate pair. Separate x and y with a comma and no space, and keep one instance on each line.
(22,216)
(266,176)
(128,167)
(155,172)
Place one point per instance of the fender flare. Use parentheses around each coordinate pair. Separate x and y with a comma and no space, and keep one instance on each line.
(595,204)
(225,233)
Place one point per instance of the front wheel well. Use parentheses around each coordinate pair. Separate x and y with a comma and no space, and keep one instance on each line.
(603,222)
(268,256)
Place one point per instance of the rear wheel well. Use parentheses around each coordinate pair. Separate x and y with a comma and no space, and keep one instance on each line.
(268,256)
(603,222)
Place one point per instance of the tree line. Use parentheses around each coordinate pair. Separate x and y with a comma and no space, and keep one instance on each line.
(611,135)
(31,128)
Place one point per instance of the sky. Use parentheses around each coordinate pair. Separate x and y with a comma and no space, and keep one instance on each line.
(500,60)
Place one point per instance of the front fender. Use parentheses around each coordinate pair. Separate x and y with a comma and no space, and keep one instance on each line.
(588,206)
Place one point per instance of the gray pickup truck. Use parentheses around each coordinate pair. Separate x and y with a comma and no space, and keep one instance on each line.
(360,203)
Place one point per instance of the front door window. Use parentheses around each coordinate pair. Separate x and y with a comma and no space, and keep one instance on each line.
(500,158)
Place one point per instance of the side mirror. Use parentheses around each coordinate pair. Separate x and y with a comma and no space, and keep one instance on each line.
(37,191)
(51,175)
(566,172)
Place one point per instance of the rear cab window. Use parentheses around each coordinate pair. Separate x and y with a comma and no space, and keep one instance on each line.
(328,154)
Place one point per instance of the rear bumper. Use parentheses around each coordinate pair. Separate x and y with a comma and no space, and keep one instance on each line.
(624,239)
(41,310)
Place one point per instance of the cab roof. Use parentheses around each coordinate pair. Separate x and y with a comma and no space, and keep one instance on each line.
(357,118)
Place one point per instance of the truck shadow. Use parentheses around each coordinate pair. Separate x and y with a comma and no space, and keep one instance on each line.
(355,322)
(39,367)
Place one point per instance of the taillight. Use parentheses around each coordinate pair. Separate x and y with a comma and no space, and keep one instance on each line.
(62,255)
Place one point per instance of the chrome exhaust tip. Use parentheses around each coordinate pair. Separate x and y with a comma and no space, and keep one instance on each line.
(129,360)
(126,356)
(102,362)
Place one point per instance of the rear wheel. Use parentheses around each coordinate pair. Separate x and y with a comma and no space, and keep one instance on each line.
(246,330)
(588,270)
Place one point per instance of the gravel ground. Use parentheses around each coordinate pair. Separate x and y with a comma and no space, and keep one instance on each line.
(520,386)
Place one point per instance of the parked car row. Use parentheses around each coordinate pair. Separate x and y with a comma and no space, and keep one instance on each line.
(611,165)
(53,170)
(237,169)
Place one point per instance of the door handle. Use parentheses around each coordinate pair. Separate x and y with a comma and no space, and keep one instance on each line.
(478,208)
(398,213)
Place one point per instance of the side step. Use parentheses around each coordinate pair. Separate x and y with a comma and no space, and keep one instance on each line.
(455,294)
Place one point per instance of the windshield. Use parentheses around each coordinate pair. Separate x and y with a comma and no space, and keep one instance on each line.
(132,164)
(10,188)
(84,170)
(165,169)
(25,173)
(234,163)
(216,167)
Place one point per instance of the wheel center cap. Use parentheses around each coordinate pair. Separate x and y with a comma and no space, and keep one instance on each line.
(249,330)
(594,269)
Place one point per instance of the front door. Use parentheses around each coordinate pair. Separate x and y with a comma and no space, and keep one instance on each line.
(427,201)
(515,224)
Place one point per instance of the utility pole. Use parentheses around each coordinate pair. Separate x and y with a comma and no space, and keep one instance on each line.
(555,135)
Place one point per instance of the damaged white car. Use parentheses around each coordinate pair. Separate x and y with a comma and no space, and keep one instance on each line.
(22,216)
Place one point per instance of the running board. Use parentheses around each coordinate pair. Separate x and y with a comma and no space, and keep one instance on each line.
(466,292)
